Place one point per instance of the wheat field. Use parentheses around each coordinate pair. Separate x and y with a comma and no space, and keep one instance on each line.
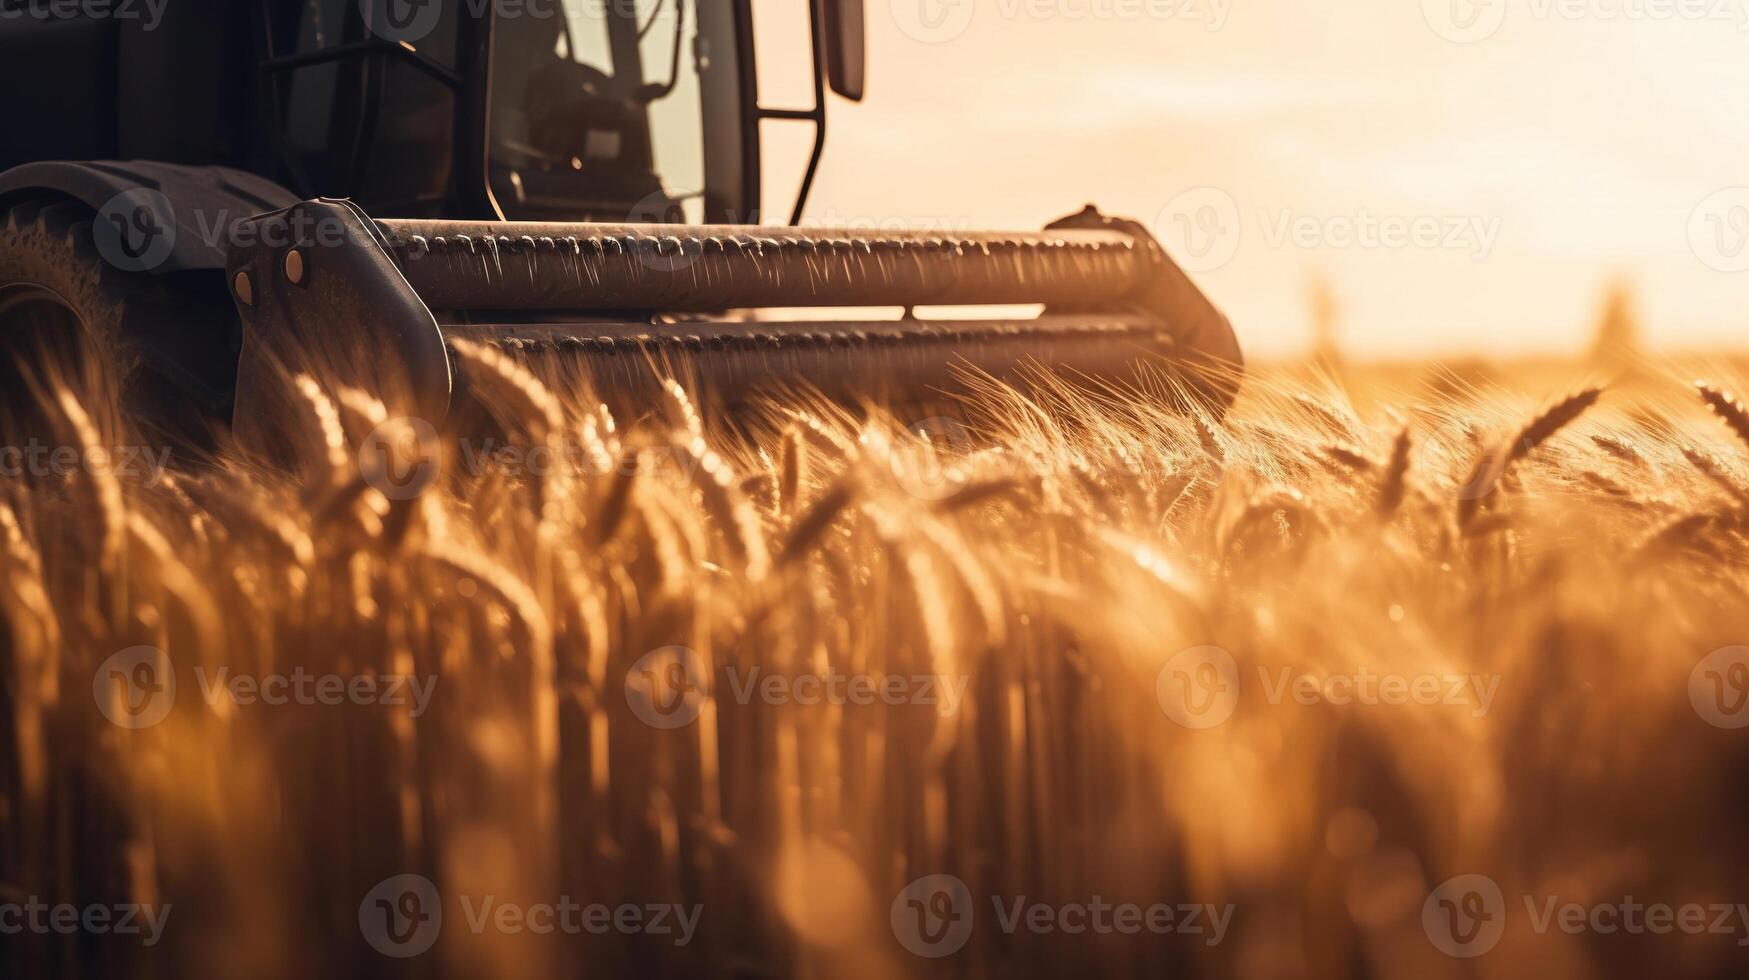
(1069,682)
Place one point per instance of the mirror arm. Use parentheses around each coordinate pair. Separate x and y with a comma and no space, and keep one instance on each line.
(817,26)
(816,115)
(656,92)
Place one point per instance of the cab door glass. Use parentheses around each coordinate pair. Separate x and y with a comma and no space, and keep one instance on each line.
(596,111)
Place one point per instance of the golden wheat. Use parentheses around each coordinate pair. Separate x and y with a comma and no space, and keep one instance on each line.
(593,734)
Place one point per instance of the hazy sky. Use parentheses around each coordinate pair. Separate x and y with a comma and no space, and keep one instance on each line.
(1467,174)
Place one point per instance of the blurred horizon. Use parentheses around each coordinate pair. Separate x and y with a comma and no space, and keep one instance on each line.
(1451,176)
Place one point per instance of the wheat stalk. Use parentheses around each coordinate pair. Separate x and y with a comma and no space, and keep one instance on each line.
(1395,478)
(1727,408)
(1351,458)
(1619,449)
(1560,415)
(1493,466)
(1709,467)
(807,531)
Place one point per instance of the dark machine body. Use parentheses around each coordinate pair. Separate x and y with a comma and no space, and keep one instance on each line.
(222,192)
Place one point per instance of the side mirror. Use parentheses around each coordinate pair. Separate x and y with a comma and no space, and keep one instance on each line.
(846,47)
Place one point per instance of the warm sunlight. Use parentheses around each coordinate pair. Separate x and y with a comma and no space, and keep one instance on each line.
(866,489)
(1505,177)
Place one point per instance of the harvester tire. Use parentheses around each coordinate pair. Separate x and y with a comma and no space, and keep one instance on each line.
(148,350)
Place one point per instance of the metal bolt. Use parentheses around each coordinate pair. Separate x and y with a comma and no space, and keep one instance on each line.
(245,289)
(294,266)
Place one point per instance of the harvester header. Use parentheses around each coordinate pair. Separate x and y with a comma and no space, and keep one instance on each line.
(624,305)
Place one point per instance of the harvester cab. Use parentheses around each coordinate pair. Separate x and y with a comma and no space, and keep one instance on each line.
(354,186)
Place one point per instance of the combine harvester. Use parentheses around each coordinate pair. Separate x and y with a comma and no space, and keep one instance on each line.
(576,186)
